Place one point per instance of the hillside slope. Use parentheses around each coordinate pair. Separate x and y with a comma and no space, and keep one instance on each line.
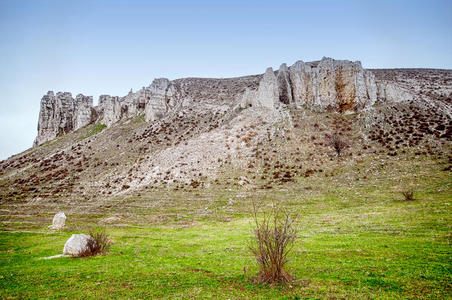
(261,131)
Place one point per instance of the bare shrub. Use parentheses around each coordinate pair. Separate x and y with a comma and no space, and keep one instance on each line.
(274,237)
(338,143)
(90,250)
(102,242)
(408,194)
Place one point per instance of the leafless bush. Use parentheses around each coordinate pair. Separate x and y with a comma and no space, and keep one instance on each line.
(338,143)
(274,236)
(102,242)
(88,251)
(408,194)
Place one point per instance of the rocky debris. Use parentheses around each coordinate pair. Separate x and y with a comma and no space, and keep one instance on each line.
(59,221)
(200,155)
(79,245)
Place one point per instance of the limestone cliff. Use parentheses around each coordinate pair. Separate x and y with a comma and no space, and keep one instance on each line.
(60,114)
(109,110)
(159,94)
(83,111)
(336,85)
(325,85)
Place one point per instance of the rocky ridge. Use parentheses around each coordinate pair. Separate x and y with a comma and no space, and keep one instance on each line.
(326,85)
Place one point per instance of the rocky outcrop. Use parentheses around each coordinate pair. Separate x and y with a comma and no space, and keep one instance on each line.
(109,110)
(284,85)
(83,111)
(337,85)
(325,85)
(55,116)
(267,94)
(159,96)
(268,91)
(387,91)
(60,114)
(134,103)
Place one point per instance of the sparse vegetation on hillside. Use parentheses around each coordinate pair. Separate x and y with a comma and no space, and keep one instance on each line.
(338,143)
(95,129)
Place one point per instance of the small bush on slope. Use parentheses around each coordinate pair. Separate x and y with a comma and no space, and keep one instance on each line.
(408,194)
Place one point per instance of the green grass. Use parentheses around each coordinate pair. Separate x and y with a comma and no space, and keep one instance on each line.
(372,246)
(94,129)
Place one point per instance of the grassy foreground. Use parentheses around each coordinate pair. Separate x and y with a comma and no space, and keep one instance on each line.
(357,240)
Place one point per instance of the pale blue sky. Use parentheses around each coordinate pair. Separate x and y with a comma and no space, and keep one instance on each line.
(107,47)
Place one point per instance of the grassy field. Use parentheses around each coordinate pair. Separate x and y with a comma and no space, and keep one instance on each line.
(357,239)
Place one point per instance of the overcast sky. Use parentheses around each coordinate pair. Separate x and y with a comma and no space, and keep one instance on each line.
(107,47)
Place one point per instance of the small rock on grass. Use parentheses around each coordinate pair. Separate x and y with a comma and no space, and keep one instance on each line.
(59,221)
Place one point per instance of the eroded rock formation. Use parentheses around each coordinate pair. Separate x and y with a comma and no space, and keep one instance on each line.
(83,111)
(109,110)
(55,116)
(336,85)
(325,85)
(159,94)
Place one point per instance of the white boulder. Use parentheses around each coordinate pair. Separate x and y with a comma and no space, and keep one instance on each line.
(79,245)
(58,220)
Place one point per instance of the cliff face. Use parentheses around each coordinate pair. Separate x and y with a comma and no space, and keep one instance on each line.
(326,85)
(60,114)
(332,85)
(84,113)
(159,94)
